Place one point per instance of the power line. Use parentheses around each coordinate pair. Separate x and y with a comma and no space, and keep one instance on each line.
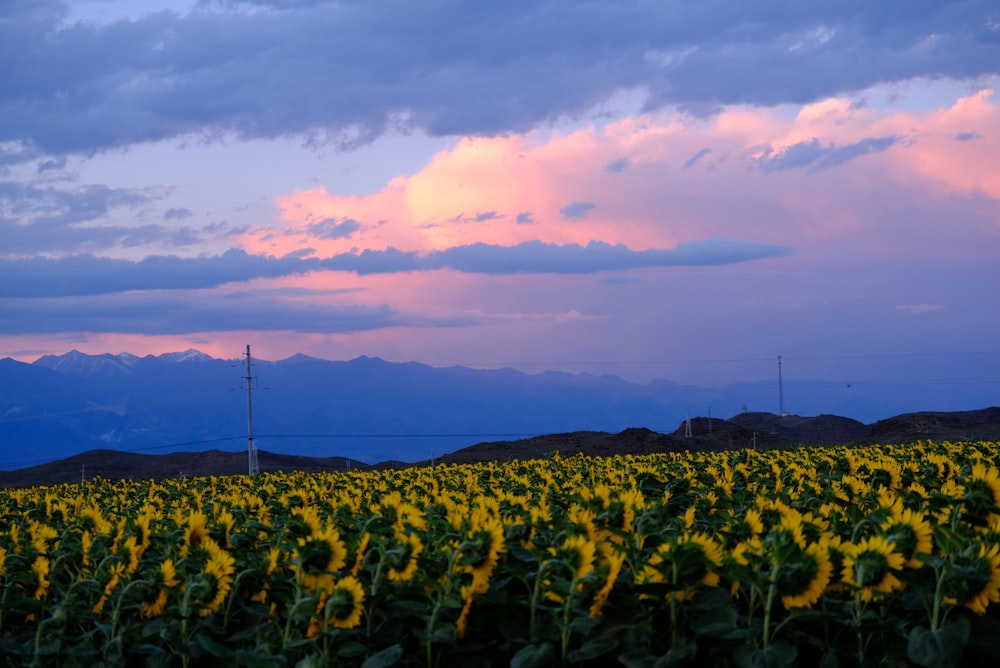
(710,360)
(470,435)
(24,463)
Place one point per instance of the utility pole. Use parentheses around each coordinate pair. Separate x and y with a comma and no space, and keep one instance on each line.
(781,391)
(253,466)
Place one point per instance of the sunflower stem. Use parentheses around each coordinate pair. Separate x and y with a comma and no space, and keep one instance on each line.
(772,589)
(435,614)
(376,581)
(535,594)
(674,630)
(232,596)
(185,614)
(857,612)
(114,638)
(938,595)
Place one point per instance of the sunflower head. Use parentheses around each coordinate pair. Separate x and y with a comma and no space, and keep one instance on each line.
(346,603)
(318,557)
(911,534)
(972,578)
(219,568)
(402,557)
(982,494)
(870,567)
(689,561)
(40,567)
(483,545)
(195,533)
(305,522)
(803,576)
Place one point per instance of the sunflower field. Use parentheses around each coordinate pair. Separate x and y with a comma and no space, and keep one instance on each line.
(882,555)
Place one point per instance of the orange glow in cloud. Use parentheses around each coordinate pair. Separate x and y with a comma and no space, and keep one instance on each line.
(657,180)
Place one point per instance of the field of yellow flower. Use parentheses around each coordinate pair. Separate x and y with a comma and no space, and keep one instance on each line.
(814,556)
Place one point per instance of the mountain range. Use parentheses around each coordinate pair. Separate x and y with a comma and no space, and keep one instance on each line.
(371,410)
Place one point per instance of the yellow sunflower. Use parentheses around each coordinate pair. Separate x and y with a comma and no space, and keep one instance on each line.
(982,493)
(220,568)
(142,530)
(487,544)
(318,557)
(43,537)
(403,557)
(469,593)
(579,553)
(309,518)
(974,579)
(92,518)
(802,578)
(697,558)
(911,534)
(869,565)
(612,561)
(582,518)
(40,567)
(195,532)
(270,566)
(165,579)
(114,577)
(130,553)
(346,603)
(359,553)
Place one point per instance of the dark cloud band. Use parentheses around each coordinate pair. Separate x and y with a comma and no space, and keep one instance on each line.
(80,275)
(345,73)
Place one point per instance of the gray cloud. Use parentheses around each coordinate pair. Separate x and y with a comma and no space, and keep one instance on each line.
(167,313)
(576,210)
(525,218)
(617,166)
(817,157)
(540,257)
(353,72)
(968,136)
(51,165)
(478,217)
(83,275)
(331,228)
(177,213)
(693,160)
(45,219)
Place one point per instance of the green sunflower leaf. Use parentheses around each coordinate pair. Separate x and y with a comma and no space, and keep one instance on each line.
(390,656)
(778,655)
(938,649)
(533,656)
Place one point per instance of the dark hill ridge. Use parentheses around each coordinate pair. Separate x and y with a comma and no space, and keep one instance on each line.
(116,465)
(746,430)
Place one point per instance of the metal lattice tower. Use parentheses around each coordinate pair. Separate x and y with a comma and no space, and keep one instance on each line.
(252,465)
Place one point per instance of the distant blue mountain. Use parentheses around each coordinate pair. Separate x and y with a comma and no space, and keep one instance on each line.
(372,410)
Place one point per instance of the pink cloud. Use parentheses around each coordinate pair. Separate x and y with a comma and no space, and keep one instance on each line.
(843,184)
(475,190)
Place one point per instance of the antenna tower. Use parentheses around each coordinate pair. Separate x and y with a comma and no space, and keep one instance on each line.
(781,390)
(253,466)
(687,425)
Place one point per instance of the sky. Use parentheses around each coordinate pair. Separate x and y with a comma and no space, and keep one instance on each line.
(651,189)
